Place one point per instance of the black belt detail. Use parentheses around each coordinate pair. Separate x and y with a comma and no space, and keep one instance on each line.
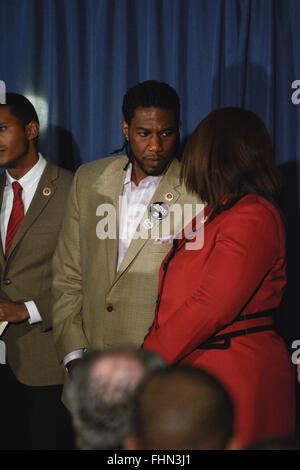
(249,316)
(213,343)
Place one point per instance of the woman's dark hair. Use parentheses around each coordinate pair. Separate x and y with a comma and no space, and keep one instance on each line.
(230,154)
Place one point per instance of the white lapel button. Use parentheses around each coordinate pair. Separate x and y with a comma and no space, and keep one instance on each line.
(169,196)
(46,191)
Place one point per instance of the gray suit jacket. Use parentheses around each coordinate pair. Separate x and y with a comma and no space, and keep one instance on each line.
(27,275)
(96,306)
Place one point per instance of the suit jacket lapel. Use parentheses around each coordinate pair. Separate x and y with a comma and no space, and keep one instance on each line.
(43,194)
(2,186)
(168,185)
(111,188)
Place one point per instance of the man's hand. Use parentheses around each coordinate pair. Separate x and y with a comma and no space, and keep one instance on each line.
(12,311)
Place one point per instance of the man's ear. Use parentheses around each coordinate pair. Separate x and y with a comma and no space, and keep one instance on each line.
(32,130)
(125,128)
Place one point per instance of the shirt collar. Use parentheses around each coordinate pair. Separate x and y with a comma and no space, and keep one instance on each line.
(32,176)
(128,174)
(145,181)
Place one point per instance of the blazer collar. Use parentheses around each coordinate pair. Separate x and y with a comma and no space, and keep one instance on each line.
(111,173)
(109,185)
(43,194)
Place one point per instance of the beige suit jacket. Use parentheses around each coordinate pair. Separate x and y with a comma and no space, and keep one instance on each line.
(27,275)
(96,306)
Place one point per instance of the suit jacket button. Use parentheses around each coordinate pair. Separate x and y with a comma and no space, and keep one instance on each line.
(109,308)
(7,282)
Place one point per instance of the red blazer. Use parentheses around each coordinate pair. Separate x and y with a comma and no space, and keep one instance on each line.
(240,269)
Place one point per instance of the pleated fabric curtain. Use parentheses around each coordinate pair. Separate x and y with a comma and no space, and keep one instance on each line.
(76,58)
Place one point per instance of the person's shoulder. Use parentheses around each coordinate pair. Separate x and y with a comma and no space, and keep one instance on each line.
(56,172)
(96,167)
(256,213)
(256,203)
(65,174)
(101,163)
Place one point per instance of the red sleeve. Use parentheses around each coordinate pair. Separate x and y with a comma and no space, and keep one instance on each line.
(246,248)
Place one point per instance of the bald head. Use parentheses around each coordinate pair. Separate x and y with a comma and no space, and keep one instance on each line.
(101,395)
(183,408)
(116,376)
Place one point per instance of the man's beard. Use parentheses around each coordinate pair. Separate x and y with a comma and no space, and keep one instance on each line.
(160,169)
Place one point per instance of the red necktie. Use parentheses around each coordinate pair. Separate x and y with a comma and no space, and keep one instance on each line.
(16,216)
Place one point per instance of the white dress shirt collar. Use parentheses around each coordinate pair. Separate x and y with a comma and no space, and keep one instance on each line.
(31,177)
(147,181)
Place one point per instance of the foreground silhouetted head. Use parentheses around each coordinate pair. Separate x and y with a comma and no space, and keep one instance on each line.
(182,408)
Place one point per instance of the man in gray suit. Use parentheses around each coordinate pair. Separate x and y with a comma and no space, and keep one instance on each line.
(33,191)
(114,235)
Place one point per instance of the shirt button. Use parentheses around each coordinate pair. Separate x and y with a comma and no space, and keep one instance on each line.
(7,282)
(109,308)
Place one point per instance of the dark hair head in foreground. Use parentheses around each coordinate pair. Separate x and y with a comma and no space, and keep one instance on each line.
(183,408)
(229,155)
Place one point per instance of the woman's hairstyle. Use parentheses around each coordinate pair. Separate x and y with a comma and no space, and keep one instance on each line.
(230,154)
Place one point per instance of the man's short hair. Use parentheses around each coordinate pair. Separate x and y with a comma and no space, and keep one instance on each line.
(101,391)
(150,93)
(183,407)
(21,107)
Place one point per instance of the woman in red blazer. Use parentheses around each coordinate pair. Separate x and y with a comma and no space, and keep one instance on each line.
(216,302)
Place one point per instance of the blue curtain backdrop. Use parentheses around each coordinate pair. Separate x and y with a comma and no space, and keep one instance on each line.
(75,59)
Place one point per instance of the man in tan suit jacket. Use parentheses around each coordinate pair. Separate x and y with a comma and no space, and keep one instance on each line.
(31,414)
(105,284)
